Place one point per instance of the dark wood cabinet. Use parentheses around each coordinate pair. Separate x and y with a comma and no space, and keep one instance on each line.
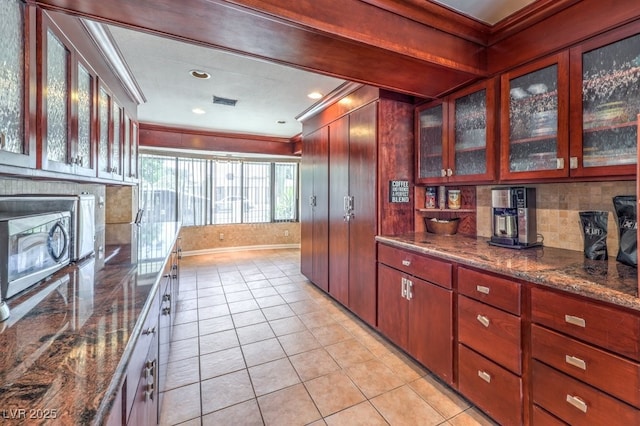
(456,138)
(130,149)
(314,208)
(414,313)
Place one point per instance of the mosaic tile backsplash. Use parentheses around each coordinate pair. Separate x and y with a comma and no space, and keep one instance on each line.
(558,207)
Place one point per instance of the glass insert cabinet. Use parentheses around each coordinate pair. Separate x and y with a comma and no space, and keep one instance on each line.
(455,137)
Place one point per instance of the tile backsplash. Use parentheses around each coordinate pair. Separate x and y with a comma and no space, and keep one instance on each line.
(558,205)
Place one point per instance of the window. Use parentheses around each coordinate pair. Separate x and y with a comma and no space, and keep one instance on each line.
(201,191)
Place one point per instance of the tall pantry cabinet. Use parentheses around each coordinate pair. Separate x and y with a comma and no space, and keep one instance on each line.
(369,137)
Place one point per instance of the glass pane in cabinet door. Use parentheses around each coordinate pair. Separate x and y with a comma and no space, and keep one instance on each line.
(471,134)
(611,103)
(431,163)
(11,77)
(103,141)
(57,95)
(84,117)
(533,121)
(115,150)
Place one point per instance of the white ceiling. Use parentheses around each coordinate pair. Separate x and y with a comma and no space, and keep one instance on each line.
(488,11)
(266,92)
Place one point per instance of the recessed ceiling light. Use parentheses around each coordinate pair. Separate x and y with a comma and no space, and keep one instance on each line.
(314,95)
(198,111)
(202,75)
(281,122)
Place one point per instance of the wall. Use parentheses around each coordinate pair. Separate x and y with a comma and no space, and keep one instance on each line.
(207,238)
(558,205)
(123,204)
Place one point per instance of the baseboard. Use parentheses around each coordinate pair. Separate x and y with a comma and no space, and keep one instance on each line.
(242,248)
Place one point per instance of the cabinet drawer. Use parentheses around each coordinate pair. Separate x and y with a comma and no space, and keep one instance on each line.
(578,403)
(490,331)
(542,417)
(590,321)
(495,291)
(605,371)
(432,270)
(489,386)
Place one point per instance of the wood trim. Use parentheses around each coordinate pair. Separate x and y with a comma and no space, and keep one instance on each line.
(151,135)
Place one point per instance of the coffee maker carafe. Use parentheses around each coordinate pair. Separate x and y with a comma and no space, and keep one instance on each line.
(514,217)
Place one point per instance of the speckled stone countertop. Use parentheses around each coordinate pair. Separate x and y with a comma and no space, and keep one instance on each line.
(68,340)
(568,270)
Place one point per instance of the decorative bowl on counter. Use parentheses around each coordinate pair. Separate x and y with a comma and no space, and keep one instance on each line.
(442,226)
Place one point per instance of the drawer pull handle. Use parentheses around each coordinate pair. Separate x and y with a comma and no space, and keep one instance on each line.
(577,402)
(576,362)
(483,320)
(580,322)
(406,262)
(482,289)
(484,376)
(403,291)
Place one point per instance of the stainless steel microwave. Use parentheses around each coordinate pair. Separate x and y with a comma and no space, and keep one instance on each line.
(32,246)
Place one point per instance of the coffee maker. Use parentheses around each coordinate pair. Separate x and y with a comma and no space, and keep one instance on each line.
(514,217)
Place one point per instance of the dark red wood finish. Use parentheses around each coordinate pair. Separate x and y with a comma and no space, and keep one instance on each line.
(362,225)
(490,289)
(393,321)
(562,61)
(339,235)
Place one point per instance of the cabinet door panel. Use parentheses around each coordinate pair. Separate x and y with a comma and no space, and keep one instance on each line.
(492,332)
(362,225)
(338,225)
(430,335)
(489,289)
(392,306)
(430,143)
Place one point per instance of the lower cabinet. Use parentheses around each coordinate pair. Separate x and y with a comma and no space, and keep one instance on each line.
(416,314)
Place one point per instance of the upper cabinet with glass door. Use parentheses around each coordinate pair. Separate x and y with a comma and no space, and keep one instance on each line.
(455,138)
(534,120)
(17,75)
(605,101)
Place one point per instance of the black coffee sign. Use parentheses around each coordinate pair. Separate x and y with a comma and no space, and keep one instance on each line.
(399,191)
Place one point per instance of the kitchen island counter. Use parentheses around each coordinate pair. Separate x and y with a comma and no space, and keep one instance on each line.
(568,270)
(67,343)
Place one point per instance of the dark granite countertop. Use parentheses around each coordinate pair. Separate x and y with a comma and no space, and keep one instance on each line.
(68,340)
(568,270)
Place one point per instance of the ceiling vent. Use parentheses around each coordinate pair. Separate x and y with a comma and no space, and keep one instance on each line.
(224,101)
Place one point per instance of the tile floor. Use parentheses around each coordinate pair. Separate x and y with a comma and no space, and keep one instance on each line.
(255,343)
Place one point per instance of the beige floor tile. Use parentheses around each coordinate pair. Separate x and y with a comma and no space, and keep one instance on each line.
(312,364)
(259,284)
(277,281)
(243,306)
(269,301)
(296,296)
(331,333)
(333,392)
(220,363)
(439,396)
(264,292)
(402,406)
(244,319)
(237,388)
(215,325)
(181,404)
(273,376)
(263,351)
(317,318)
(362,414)
(278,312)
(238,296)
(404,368)
(245,414)
(210,291)
(291,406)
(183,317)
(185,331)
(205,301)
(296,343)
(213,312)
(254,333)
(218,341)
(349,352)
(472,417)
(183,349)
(287,326)
(373,377)
(181,373)
(304,306)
